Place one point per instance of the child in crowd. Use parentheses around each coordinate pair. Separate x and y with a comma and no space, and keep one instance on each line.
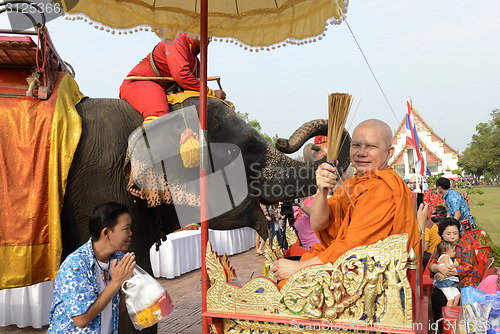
(446,253)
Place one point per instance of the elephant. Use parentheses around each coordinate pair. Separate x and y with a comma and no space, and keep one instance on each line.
(97,175)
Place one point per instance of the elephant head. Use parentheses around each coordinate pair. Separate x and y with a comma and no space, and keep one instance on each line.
(96,175)
(271,175)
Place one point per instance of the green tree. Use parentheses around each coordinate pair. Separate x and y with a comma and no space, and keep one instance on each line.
(431,180)
(482,155)
(256,125)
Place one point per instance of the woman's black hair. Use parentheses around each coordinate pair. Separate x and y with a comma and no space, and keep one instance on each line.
(105,215)
(444,223)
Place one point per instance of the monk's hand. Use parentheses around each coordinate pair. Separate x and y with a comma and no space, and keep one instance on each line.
(326,177)
(283,268)
(220,94)
(122,271)
(422,214)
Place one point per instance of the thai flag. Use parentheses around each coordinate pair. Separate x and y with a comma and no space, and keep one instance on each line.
(422,168)
(412,140)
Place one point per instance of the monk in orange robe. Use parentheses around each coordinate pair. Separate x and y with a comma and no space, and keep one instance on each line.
(379,202)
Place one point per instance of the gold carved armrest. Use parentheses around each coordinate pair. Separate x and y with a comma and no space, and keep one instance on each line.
(366,285)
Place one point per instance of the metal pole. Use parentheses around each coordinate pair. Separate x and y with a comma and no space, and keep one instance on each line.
(203,159)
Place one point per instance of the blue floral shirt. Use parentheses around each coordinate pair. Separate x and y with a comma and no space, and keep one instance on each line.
(75,290)
(456,202)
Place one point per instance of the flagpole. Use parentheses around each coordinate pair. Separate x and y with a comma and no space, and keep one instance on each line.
(203,161)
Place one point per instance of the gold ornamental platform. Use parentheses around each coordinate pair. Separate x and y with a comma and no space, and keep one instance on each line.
(365,290)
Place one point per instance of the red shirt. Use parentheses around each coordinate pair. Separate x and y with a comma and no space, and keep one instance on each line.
(177,59)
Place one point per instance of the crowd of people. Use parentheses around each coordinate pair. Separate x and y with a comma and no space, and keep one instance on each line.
(462,266)
(298,219)
(327,224)
(339,227)
(450,259)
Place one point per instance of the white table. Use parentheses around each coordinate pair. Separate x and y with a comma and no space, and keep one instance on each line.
(181,252)
(30,306)
(178,255)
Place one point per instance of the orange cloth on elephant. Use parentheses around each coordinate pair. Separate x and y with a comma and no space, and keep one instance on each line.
(382,206)
(37,141)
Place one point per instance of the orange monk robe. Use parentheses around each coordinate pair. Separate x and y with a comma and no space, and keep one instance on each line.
(383,207)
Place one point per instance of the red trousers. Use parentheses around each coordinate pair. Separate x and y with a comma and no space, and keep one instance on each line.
(147,97)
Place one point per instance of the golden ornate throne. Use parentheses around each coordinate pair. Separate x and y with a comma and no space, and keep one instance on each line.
(366,290)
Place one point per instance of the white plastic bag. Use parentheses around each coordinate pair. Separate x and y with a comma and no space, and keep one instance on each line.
(147,301)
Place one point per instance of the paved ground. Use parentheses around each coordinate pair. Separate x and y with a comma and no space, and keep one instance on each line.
(186,294)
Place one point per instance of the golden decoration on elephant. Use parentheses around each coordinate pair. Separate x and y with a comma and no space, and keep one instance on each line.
(190,148)
(366,285)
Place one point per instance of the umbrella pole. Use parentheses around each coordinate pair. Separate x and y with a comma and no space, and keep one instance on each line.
(203,159)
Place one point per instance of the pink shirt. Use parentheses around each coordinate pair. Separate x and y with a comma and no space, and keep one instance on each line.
(307,235)
(489,285)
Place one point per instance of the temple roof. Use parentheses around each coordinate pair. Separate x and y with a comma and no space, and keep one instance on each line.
(421,125)
(430,155)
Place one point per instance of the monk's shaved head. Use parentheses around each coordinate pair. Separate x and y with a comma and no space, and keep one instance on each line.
(371,146)
(381,128)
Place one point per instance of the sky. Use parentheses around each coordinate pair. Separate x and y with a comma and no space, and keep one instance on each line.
(443,54)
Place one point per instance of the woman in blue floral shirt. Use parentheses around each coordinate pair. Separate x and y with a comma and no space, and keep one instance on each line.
(86,290)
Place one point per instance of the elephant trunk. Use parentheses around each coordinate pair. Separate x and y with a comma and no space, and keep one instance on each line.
(308,130)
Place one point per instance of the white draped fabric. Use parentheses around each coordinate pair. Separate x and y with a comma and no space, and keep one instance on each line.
(29,306)
(181,252)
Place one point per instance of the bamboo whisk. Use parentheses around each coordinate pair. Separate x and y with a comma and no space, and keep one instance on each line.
(338,109)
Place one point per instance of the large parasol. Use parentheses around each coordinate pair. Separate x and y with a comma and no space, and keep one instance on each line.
(255,23)
(252,22)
